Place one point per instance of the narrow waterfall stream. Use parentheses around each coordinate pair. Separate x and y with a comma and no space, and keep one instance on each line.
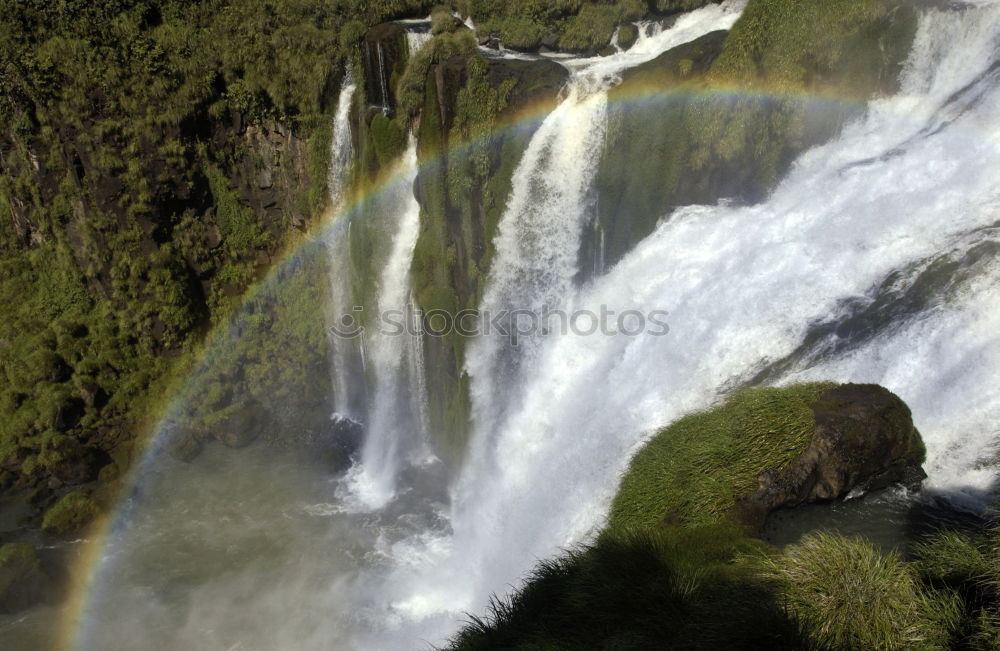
(394,423)
(837,275)
(343,351)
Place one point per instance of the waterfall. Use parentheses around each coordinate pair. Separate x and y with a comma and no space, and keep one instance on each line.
(340,144)
(343,351)
(876,259)
(416,39)
(743,286)
(395,426)
(538,243)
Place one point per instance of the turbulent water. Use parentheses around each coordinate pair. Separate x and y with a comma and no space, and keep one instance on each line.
(874,260)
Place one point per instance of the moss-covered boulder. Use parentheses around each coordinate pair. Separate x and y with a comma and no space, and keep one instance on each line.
(22,581)
(70,514)
(768,448)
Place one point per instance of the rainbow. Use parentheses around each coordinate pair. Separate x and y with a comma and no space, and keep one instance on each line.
(105,535)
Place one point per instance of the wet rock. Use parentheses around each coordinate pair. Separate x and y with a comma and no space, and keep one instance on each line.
(185,446)
(864,440)
(342,441)
(22,581)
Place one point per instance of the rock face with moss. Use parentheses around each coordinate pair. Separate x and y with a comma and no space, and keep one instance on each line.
(769,448)
(725,116)
(863,440)
(472,134)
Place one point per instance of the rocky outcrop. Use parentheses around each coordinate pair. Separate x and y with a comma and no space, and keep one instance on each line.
(767,448)
(863,440)
(384,52)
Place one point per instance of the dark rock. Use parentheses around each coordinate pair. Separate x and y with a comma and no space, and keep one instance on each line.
(243,426)
(864,440)
(79,463)
(341,443)
(550,42)
(68,414)
(384,51)
(22,581)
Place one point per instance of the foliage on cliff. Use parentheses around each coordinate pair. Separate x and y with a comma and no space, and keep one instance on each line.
(571,25)
(154,157)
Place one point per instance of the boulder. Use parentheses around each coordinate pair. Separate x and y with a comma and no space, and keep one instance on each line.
(768,448)
(863,440)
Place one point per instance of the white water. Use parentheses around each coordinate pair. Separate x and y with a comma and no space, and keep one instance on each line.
(394,423)
(742,286)
(341,349)
(341,151)
(416,40)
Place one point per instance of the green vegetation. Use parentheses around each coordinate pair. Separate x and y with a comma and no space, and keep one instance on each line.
(692,471)
(70,514)
(967,564)
(851,595)
(143,190)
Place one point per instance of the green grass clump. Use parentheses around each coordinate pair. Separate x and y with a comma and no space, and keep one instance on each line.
(854,596)
(693,470)
(70,514)
(410,89)
(968,564)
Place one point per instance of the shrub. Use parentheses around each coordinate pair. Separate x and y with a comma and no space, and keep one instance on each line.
(70,514)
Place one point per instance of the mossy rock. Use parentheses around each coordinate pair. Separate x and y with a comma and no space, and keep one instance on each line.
(767,448)
(70,514)
(22,581)
(627,36)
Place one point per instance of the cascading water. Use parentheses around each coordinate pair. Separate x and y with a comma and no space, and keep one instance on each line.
(551,202)
(395,424)
(835,276)
(342,350)
(742,285)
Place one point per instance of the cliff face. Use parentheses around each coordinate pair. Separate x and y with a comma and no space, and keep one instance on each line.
(142,190)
